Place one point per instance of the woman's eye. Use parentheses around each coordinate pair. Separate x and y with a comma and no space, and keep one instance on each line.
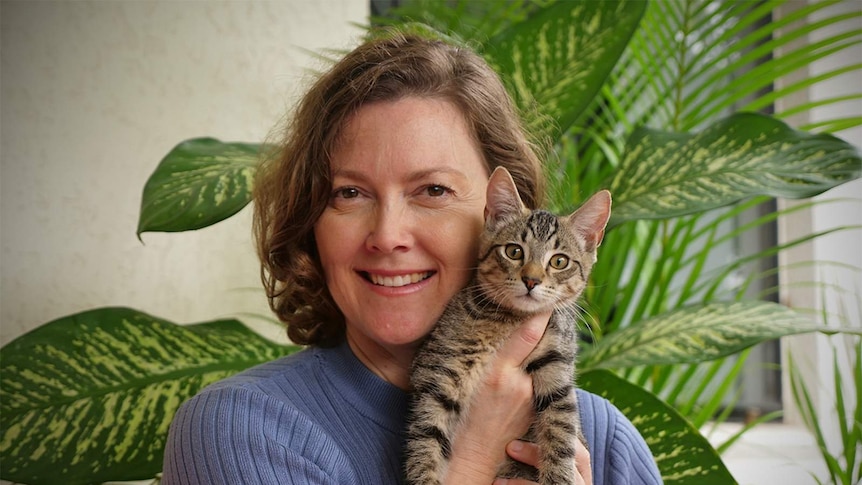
(559,261)
(437,190)
(513,251)
(347,193)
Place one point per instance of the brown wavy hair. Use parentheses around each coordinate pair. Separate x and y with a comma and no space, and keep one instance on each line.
(292,188)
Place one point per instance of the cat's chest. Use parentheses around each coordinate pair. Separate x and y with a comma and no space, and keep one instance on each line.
(489,335)
(478,325)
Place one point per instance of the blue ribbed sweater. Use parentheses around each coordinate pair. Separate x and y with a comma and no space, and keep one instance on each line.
(320,417)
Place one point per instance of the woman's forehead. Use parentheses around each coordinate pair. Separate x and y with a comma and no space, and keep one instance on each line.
(415,134)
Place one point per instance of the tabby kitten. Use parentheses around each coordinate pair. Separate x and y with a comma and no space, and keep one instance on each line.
(530,261)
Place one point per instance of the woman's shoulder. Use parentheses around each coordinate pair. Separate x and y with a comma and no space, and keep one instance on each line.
(297,417)
(295,382)
(261,376)
(617,450)
(260,392)
(256,416)
(597,411)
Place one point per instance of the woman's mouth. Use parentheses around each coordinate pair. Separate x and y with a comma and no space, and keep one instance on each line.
(396,281)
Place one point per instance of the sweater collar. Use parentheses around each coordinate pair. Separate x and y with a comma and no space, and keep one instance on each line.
(373,397)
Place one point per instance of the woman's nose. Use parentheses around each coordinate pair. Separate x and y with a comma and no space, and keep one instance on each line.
(390,230)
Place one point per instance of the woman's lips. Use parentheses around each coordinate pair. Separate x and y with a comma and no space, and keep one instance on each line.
(395,281)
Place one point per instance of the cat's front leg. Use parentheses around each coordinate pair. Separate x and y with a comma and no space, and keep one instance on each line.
(429,435)
(557,424)
(557,429)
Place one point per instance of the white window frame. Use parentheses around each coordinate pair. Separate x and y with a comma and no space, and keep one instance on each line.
(808,287)
(837,291)
(786,452)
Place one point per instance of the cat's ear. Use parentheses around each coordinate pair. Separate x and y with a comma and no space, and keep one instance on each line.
(502,201)
(591,218)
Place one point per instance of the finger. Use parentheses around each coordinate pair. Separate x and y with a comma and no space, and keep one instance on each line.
(524,452)
(524,340)
(582,463)
(528,453)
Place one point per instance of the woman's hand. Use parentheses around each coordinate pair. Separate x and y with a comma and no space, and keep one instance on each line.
(501,412)
(529,453)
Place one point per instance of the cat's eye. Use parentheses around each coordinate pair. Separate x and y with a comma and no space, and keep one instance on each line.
(559,261)
(513,251)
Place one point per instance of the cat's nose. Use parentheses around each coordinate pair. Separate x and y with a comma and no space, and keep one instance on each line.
(530,283)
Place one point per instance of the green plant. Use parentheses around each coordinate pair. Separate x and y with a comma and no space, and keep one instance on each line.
(845,468)
(661,315)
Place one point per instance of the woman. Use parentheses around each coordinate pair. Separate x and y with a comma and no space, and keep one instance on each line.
(367,224)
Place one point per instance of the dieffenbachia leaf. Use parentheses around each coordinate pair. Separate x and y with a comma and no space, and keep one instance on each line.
(89,397)
(672,174)
(200,182)
(683,455)
(556,60)
(698,333)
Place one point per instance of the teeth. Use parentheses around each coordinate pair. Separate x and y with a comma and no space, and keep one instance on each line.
(401,280)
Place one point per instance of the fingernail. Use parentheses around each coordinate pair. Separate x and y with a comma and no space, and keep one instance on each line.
(517,445)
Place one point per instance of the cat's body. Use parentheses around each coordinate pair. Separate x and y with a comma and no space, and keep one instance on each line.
(529,261)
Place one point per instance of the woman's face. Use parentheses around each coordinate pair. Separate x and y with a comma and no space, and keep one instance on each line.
(400,234)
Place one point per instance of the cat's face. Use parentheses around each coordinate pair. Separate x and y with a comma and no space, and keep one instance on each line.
(534,265)
(532,260)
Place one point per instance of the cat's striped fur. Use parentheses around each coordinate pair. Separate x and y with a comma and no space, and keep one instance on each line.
(529,261)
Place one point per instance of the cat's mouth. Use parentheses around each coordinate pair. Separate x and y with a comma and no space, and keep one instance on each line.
(396,281)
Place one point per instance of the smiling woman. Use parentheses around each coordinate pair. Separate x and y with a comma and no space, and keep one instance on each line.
(466,92)
(368,223)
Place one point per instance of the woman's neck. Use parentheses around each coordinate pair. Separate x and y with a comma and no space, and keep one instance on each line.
(391,364)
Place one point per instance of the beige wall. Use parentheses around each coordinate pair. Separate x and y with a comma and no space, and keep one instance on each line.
(94,94)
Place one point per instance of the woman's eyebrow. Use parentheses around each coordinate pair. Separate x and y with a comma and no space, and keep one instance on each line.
(412,177)
(434,171)
(349,174)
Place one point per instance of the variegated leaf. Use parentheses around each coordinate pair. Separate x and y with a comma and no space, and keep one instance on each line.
(672,174)
(697,334)
(89,397)
(683,455)
(559,57)
(200,182)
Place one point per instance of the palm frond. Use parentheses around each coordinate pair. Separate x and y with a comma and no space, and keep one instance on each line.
(695,60)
